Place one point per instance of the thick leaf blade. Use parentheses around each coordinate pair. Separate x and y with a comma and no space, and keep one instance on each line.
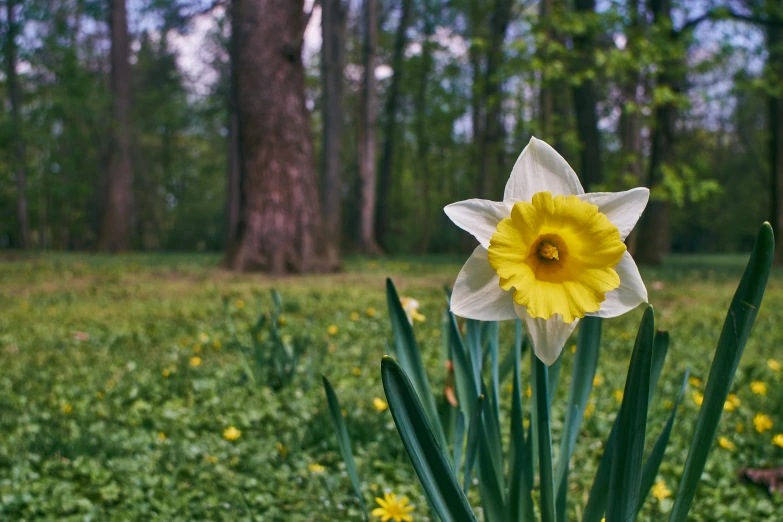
(544,435)
(585,364)
(407,350)
(519,499)
(343,442)
(428,458)
(471,449)
(626,471)
(739,320)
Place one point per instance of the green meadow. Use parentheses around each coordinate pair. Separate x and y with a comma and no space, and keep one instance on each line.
(125,393)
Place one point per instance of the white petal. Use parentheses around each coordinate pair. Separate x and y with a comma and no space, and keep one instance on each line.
(477,293)
(541,169)
(548,335)
(622,208)
(479,217)
(630,294)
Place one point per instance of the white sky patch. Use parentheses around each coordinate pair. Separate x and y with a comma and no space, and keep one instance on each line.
(194,54)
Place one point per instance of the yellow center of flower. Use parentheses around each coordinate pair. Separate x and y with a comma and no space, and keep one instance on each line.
(558,256)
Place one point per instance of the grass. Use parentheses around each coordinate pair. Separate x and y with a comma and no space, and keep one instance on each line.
(104,415)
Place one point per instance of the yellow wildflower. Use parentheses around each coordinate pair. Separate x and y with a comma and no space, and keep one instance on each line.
(392,508)
(777,440)
(695,382)
(211,459)
(573,348)
(357,371)
(589,409)
(240,304)
(315,468)
(67,409)
(354,316)
(660,491)
(668,404)
(618,395)
(332,330)
(740,428)
(217,344)
(281,449)
(203,337)
(762,422)
(697,397)
(726,443)
(598,380)
(758,387)
(195,361)
(734,400)
(281,321)
(528,391)
(380,404)
(166,372)
(526,423)
(231,433)
(370,312)
(161,436)
(197,348)
(774,365)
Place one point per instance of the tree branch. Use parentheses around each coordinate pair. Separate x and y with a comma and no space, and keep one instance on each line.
(723,13)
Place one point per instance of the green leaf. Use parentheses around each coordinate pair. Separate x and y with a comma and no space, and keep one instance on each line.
(596,502)
(653,462)
(428,459)
(407,350)
(519,500)
(474,431)
(459,439)
(467,392)
(585,364)
(739,320)
(491,468)
(544,435)
(626,471)
(343,441)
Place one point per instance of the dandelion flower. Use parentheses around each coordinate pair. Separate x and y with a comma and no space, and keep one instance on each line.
(732,402)
(380,404)
(67,409)
(695,382)
(195,361)
(726,443)
(762,422)
(739,428)
(698,397)
(589,409)
(332,330)
(354,316)
(549,253)
(618,395)
(166,372)
(161,436)
(231,433)
(315,468)
(239,304)
(777,440)
(211,459)
(392,508)
(660,491)
(758,387)
(528,391)
(281,320)
(217,344)
(203,337)
(598,380)
(774,365)
(370,312)
(357,371)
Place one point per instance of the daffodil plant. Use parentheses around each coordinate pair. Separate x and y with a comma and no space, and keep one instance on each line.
(549,256)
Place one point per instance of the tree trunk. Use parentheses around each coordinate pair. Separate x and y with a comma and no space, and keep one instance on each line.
(17,136)
(279,229)
(333,61)
(775,127)
(653,242)
(476,35)
(367,121)
(390,127)
(234,179)
(585,104)
(118,204)
(423,173)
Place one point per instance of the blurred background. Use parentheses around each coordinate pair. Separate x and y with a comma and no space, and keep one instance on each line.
(287,133)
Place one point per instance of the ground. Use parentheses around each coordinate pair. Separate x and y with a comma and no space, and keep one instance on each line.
(124,396)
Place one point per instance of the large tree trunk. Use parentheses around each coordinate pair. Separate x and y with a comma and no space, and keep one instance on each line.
(281,215)
(653,242)
(390,127)
(775,126)
(585,105)
(332,62)
(17,136)
(234,178)
(423,181)
(367,121)
(118,204)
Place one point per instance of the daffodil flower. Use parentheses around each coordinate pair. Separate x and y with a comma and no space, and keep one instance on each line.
(548,253)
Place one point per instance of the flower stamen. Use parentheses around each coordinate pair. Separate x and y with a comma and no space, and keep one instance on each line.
(548,251)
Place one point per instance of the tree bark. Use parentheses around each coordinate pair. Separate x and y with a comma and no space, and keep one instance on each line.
(118,204)
(17,135)
(333,61)
(585,104)
(234,178)
(390,127)
(653,242)
(367,122)
(420,129)
(280,222)
(775,126)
